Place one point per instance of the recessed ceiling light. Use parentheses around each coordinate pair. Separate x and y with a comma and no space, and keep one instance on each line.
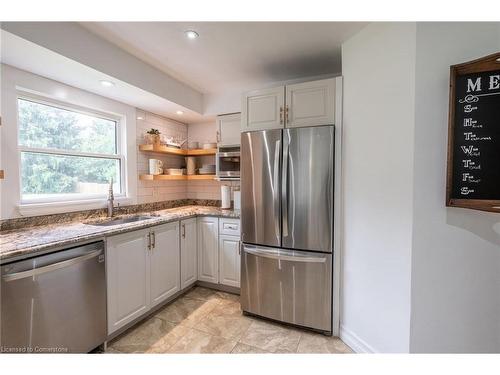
(140,118)
(191,34)
(179,112)
(107,83)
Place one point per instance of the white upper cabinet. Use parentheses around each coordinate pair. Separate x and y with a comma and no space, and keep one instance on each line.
(228,129)
(165,262)
(189,258)
(295,105)
(208,262)
(263,109)
(310,103)
(229,260)
(127,262)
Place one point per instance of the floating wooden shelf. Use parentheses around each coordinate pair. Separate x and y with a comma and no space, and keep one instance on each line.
(176,151)
(150,177)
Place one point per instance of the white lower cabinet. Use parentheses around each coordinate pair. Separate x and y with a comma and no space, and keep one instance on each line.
(165,262)
(127,261)
(208,262)
(189,252)
(143,269)
(229,260)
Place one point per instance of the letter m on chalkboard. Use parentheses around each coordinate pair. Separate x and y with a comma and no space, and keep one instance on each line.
(474,85)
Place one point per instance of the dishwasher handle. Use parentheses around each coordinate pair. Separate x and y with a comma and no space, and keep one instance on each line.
(51,267)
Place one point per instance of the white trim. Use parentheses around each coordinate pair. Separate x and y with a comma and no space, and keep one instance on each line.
(55,205)
(72,198)
(355,342)
(337,210)
(55,151)
(52,101)
(14,79)
(47,208)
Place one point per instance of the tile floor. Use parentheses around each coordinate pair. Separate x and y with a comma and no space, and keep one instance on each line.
(209,321)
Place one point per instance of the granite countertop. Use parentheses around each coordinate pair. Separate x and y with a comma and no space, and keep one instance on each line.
(22,242)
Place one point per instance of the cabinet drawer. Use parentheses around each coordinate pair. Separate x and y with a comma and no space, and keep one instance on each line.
(229,227)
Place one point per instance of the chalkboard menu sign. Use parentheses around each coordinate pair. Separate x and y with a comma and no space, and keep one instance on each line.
(473,179)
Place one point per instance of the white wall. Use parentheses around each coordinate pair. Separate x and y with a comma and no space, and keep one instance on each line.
(379,83)
(203,132)
(456,252)
(14,79)
(397,228)
(220,103)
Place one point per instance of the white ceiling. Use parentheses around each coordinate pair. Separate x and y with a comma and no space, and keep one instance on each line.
(31,57)
(230,56)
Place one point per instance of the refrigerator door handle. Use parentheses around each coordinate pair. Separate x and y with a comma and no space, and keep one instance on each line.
(284,188)
(283,255)
(276,189)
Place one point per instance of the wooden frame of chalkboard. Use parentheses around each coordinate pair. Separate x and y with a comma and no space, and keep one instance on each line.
(473,165)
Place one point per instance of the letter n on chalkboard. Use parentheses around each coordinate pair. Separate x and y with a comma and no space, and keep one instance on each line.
(473,170)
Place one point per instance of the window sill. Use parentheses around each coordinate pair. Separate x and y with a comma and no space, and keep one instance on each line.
(48,208)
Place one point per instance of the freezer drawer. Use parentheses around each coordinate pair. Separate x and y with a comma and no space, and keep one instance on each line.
(286,285)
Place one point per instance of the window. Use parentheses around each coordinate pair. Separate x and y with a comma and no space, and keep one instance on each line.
(67,154)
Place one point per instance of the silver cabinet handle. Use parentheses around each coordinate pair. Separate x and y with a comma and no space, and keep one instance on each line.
(281,115)
(149,241)
(279,256)
(154,239)
(183,230)
(284,182)
(286,114)
(230,226)
(276,202)
(51,267)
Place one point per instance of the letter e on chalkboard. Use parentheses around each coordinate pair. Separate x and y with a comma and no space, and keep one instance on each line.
(473,170)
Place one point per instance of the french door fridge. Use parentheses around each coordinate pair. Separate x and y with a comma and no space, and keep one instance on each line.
(287,225)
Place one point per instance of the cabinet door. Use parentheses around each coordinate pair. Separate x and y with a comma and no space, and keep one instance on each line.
(229,260)
(165,262)
(208,263)
(189,258)
(310,103)
(127,278)
(228,128)
(263,109)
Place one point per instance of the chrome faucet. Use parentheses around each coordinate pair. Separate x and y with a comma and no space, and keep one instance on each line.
(111,199)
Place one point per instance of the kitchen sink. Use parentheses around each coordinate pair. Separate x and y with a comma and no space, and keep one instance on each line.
(120,220)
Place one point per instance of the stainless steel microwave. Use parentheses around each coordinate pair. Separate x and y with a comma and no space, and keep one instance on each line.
(227,162)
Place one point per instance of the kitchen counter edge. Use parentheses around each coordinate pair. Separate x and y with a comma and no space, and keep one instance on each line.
(95,233)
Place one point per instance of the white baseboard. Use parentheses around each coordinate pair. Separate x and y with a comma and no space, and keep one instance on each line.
(354,341)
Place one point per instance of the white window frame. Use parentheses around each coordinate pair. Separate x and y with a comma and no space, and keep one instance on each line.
(60,200)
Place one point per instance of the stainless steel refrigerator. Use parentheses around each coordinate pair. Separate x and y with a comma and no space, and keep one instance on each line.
(287,181)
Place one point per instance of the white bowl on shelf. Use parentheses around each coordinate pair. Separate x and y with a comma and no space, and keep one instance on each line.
(175,171)
(209,145)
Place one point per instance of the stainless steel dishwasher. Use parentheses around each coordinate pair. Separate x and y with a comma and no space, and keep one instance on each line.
(54,303)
